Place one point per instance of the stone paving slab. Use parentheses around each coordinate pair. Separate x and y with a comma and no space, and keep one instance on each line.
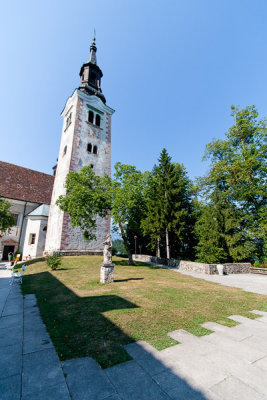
(36,339)
(262,363)
(41,370)
(191,341)
(9,336)
(257,343)
(238,349)
(11,308)
(140,349)
(133,383)
(10,387)
(184,391)
(57,392)
(11,360)
(234,389)
(151,365)
(30,301)
(232,332)
(199,372)
(86,380)
(244,371)
(12,321)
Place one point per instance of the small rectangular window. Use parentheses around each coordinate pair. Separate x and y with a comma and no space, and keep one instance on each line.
(16,219)
(32,238)
(68,121)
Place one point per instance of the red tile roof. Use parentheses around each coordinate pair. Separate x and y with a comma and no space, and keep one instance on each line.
(25,184)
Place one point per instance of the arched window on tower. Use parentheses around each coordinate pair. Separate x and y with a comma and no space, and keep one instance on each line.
(95,150)
(64,151)
(91,117)
(97,120)
(89,148)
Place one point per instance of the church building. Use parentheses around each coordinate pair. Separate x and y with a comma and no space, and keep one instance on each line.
(29,193)
(85,140)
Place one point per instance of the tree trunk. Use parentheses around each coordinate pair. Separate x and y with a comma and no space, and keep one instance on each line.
(158,248)
(167,244)
(130,258)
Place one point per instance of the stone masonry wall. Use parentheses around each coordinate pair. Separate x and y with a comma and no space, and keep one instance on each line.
(200,268)
(73,156)
(85,133)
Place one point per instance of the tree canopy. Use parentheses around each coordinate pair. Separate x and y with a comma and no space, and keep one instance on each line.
(87,196)
(128,203)
(6,218)
(234,192)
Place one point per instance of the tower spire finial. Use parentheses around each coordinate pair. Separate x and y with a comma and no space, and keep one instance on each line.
(93,49)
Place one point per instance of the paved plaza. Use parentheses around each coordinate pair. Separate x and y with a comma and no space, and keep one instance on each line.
(228,364)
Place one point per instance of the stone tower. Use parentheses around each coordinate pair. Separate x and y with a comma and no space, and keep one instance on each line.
(85,140)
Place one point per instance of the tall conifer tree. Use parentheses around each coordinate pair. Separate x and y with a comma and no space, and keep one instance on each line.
(168,204)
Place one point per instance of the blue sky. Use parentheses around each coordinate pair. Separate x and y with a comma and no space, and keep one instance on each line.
(171,70)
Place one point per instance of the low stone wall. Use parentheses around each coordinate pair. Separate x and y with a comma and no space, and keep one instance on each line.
(236,268)
(262,271)
(156,260)
(81,252)
(200,268)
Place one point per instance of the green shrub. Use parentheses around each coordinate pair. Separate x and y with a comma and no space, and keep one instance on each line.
(257,264)
(54,261)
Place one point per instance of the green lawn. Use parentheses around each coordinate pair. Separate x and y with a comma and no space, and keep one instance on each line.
(85,318)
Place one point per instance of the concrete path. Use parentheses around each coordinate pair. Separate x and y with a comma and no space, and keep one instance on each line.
(228,364)
(30,368)
(255,283)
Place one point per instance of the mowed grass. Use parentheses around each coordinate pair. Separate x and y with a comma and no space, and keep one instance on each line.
(85,318)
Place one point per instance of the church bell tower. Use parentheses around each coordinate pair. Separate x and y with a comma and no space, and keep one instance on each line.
(85,140)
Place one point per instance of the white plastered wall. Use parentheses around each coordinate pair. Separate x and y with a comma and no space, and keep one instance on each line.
(55,220)
(35,225)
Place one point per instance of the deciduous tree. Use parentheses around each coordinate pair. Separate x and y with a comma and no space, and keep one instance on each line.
(6,218)
(236,182)
(128,202)
(87,196)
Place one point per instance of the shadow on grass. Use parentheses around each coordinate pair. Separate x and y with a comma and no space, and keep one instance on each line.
(129,279)
(78,328)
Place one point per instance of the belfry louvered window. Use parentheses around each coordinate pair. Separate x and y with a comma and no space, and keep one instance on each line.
(97,120)
(91,117)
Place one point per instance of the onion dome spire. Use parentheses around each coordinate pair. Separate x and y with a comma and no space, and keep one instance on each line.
(91,75)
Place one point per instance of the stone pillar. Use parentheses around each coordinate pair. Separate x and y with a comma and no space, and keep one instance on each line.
(106,273)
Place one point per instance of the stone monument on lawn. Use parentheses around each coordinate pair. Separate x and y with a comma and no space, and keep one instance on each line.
(107,268)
